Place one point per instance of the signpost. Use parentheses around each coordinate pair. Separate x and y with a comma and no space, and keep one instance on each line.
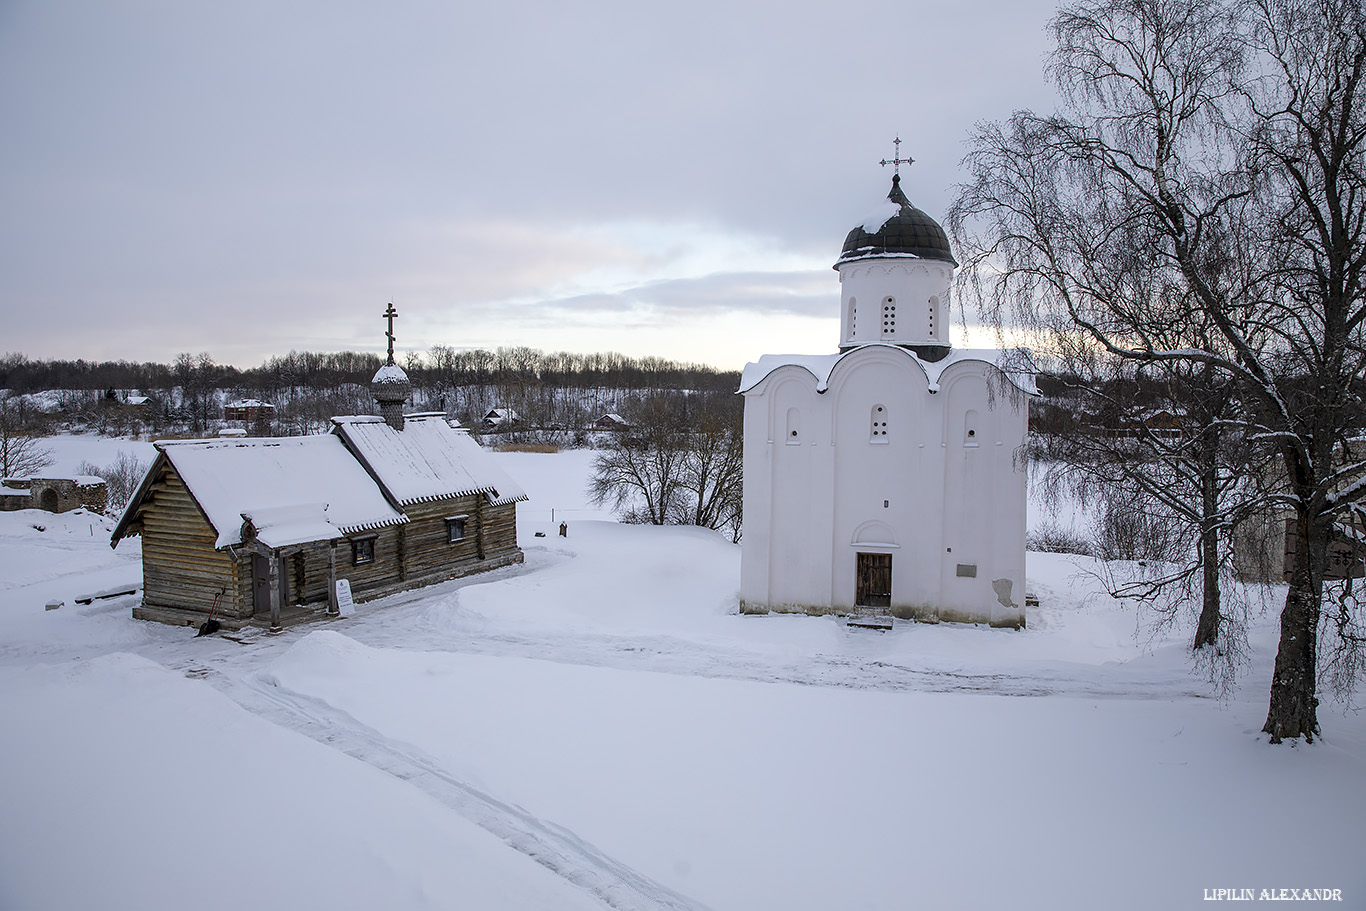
(345,605)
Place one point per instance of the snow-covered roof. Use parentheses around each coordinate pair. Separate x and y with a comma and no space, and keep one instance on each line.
(281,526)
(279,480)
(426,460)
(80,480)
(1010,361)
(248,403)
(390,373)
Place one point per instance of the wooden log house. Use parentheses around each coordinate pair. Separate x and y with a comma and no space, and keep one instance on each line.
(259,530)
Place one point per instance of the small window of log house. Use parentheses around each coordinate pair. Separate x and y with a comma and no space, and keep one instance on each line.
(455,529)
(363,550)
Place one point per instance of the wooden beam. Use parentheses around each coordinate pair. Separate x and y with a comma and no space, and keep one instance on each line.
(276,578)
(332,606)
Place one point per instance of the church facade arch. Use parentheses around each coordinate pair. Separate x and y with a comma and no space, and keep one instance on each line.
(874,533)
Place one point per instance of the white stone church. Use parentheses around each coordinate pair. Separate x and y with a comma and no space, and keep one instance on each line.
(888,478)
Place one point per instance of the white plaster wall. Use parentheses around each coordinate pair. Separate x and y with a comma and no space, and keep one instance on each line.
(877,482)
(799,426)
(984,493)
(756,501)
(813,501)
(911,283)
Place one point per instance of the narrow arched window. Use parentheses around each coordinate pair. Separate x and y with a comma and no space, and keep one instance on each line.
(934,313)
(888,317)
(853,315)
(878,419)
(794,430)
(971,428)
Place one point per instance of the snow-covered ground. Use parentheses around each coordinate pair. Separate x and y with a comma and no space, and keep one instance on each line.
(71,449)
(599,728)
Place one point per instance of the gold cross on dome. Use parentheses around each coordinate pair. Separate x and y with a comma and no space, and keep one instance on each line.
(390,315)
(897,161)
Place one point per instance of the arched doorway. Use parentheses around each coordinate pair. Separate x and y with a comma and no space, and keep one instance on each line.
(873,542)
(48,500)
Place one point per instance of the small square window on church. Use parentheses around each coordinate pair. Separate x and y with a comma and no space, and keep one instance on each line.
(455,529)
(363,550)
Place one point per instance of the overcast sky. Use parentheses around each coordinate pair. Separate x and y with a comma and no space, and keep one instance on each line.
(676,179)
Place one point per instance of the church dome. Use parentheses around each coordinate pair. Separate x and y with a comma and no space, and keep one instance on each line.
(390,385)
(390,376)
(898,227)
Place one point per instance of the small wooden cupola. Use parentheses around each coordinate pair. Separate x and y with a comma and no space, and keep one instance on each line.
(390,384)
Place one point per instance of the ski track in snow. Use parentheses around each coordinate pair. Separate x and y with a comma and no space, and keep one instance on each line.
(554,847)
(670,655)
(410,613)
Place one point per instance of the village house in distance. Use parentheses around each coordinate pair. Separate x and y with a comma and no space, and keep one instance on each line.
(888,479)
(259,530)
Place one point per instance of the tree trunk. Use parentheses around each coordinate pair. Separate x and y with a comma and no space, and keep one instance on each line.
(1207,629)
(1294,707)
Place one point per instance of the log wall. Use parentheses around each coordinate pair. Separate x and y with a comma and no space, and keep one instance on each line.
(181,569)
(415,554)
(500,529)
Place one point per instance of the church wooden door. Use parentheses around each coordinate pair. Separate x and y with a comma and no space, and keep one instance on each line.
(260,585)
(873,585)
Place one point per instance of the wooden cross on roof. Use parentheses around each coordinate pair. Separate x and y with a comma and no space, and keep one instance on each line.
(897,161)
(391,314)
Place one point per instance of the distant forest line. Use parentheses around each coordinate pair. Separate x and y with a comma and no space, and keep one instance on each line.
(554,392)
(560,389)
(440,365)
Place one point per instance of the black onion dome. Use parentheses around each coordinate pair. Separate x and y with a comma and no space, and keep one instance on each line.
(908,231)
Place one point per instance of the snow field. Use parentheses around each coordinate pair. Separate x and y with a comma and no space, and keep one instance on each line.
(599,728)
(130,786)
(749,795)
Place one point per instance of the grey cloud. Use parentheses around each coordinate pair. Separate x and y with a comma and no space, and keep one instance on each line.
(797,293)
(245,162)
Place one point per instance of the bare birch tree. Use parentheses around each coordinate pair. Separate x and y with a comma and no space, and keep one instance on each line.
(1200,204)
(674,468)
(641,471)
(713,465)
